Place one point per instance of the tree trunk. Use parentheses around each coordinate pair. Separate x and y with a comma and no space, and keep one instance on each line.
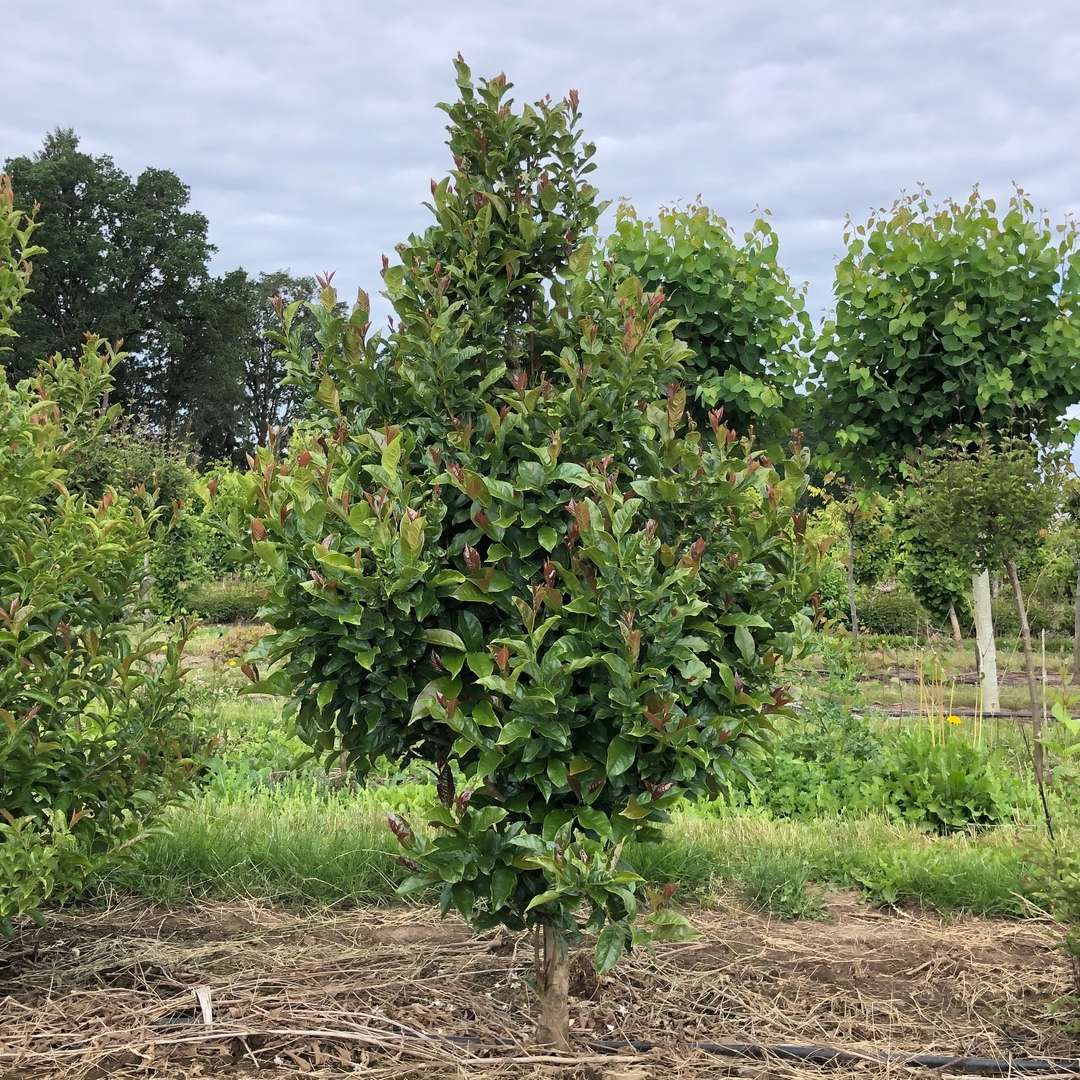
(1076,630)
(1029,662)
(984,640)
(853,612)
(553,1028)
(955,623)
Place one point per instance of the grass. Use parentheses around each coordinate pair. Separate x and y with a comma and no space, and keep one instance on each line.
(267,826)
(300,844)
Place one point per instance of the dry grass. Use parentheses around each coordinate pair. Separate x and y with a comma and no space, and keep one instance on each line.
(117,993)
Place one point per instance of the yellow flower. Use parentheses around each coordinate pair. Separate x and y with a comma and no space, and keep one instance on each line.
(954,719)
(232,663)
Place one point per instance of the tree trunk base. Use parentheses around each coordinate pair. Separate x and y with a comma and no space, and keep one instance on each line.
(553,1026)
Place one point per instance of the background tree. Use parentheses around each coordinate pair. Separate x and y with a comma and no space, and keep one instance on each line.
(949,317)
(1071,507)
(737,309)
(269,398)
(126,258)
(499,547)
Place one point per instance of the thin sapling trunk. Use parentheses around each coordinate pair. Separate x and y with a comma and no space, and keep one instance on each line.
(1029,662)
(954,622)
(984,641)
(852,610)
(553,1027)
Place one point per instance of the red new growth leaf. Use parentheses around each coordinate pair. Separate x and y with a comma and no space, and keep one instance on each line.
(472,559)
(400,830)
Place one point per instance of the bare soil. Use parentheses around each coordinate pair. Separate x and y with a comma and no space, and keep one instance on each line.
(231,991)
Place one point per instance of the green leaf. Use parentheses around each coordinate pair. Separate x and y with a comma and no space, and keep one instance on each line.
(610,945)
(486,817)
(745,642)
(669,925)
(327,394)
(595,819)
(620,755)
(503,880)
(545,898)
(556,771)
(480,663)
(464,898)
(446,638)
(548,538)
(413,884)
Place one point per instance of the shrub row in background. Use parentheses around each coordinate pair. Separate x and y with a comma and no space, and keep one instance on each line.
(235,599)
(893,612)
(830,761)
(1054,617)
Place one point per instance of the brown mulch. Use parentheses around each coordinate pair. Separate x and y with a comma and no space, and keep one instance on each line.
(228,990)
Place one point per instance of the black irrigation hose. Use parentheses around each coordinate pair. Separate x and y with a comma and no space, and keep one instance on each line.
(814,1055)
(825,1055)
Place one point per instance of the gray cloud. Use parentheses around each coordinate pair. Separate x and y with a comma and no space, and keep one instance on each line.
(307,132)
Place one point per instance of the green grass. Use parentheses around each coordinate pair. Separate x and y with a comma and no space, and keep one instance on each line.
(301,844)
(265,825)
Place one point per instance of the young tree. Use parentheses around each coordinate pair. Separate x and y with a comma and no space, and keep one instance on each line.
(983,505)
(948,317)
(92,721)
(499,547)
(737,309)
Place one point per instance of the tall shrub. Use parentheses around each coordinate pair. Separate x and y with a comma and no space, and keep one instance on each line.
(92,720)
(499,547)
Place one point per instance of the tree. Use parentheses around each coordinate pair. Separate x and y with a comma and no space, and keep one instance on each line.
(94,730)
(738,311)
(499,546)
(982,504)
(229,385)
(949,317)
(269,398)
(127,259)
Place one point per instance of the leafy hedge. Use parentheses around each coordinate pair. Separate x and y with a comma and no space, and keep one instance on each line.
(227,600)
(894,612)
(1054,617)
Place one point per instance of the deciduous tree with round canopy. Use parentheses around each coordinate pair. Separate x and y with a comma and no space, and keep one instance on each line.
(738,311)
(949,317)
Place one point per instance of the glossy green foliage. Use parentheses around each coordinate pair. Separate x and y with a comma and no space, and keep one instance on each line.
(91,717)
(948,316)
(498,545)
(738,311)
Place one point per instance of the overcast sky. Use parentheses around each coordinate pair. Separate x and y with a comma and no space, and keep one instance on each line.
(307,132)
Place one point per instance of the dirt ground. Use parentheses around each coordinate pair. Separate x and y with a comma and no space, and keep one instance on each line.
(237,991)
